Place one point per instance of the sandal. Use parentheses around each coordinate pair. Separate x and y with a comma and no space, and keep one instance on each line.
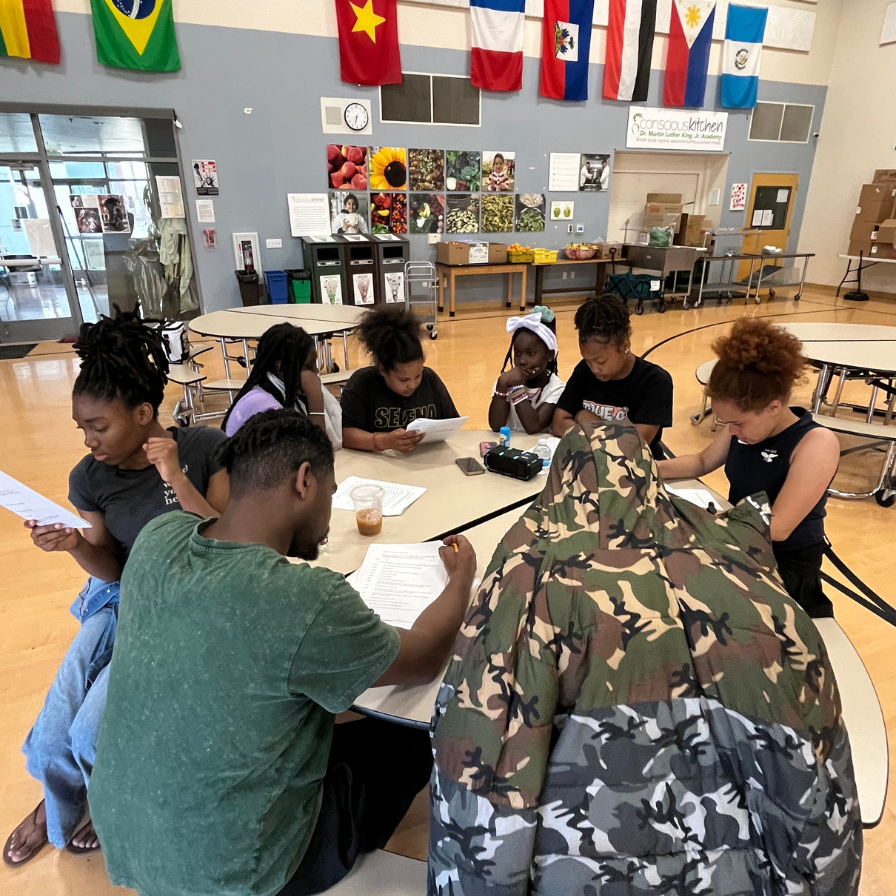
(32,818)
(82,850)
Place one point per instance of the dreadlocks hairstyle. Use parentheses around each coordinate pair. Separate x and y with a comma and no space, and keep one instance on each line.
(603,319)
(758,363)
(391,335)
(551,324)
(287,346)
(270,447)
(121,359)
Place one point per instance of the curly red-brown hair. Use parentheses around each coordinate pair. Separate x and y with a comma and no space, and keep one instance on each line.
(758,363)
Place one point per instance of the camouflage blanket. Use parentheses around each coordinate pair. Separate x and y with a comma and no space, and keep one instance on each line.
(636,706)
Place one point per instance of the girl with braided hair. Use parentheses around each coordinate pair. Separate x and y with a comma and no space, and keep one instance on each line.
(611,383)
(284,375)
(136,471)
(769,446)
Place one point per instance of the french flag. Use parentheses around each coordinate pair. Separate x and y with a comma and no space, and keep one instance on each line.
(497,44)
(565,49)
(690,42)
(630,33)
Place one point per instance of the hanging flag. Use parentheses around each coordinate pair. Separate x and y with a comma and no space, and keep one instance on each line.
(135,34)
(744,33)
(28,30)
(629,49)
(565,49)
(497,44)
(368,42)
(687,62)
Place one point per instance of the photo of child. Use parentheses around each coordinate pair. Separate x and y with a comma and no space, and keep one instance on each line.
(348,213)
(498,171)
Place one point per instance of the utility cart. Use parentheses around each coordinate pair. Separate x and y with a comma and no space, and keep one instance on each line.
(420,285)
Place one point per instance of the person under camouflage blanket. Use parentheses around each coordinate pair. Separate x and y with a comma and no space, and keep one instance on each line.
(636,706)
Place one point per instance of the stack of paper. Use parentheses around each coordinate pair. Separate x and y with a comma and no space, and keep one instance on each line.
(399,581)
(395,502)
(699,496)
(30,505)
(436,430)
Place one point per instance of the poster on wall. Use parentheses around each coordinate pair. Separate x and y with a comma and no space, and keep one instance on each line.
(309,213)
(594,174)
(738,197)
(497,214)
(171,199)
(498,171)
(463,171)
(114,214)
(388,213)
(205,211)
(348,213)
(331,289)
(393,281)
(205,177)
(563,174)
(87,212)
(463,214)
(388,168)
(426,213)
(529,213)
(346,167)
(683,129)
(562,211)
(426,169)
(362,285)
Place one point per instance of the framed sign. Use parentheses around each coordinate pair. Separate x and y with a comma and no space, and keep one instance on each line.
(682,129)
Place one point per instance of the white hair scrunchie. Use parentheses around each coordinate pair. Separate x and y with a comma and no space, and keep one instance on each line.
(534,323)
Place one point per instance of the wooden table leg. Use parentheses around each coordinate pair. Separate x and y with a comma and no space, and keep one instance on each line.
(439,274)
(523,287)
(451,291)
(600,279)
(510,274)
(539,283)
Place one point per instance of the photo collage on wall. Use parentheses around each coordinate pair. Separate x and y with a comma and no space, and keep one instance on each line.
(378,190)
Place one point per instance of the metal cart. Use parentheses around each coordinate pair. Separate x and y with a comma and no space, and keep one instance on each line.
(420,286)
(668,261)
(773,274)
(726,287)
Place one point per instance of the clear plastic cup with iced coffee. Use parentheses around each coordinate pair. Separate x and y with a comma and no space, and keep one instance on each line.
(368,503)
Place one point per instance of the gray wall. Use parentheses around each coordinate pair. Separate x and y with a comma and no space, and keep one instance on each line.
(280,149)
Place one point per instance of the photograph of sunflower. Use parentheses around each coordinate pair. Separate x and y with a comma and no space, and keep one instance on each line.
(388,168)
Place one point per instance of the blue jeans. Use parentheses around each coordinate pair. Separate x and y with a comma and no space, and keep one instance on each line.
(61,747)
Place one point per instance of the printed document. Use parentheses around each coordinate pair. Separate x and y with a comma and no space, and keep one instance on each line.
(436,430)
(30,505)
(395,502)
(699,496)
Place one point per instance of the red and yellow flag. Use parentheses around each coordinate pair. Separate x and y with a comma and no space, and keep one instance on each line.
(28,30)
(368,41)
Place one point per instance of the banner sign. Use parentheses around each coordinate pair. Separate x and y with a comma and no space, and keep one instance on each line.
(695,131)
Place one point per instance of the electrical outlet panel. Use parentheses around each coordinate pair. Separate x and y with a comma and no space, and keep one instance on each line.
(580,228)
(274,244)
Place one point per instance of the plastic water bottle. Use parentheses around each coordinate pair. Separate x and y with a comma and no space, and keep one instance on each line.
(504,433)
(543,450)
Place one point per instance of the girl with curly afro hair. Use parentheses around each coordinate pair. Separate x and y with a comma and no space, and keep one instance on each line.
(770,447)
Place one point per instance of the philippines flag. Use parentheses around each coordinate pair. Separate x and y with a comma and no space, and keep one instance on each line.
(629,49)
(565,48)
(690,40)
(497,53)
(744,33)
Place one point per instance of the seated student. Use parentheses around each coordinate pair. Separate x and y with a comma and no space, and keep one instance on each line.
(286,365)
(771,447)
(524,397)
(380,401)
(136,471)
(219,767)
(611,383)
(635,706)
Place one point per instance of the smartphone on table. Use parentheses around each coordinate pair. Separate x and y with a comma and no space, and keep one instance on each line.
(470,466)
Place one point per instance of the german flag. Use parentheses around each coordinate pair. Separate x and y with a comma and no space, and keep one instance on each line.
(28,30)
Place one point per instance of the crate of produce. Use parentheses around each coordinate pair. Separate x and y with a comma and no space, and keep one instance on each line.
(517,254)
(580,251)
(545,256)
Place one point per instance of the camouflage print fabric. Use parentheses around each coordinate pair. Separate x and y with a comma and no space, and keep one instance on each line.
(636,706)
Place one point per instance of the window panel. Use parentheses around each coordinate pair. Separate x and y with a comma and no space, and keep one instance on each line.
(16,133)
(766,124)
(408,101)
(797,123)
(454,101)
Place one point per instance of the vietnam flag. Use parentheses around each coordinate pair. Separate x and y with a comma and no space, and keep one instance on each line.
(687,62)
(368,42)
(28,30)
(565,48)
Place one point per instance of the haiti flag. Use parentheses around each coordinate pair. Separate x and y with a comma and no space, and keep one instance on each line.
(565,48)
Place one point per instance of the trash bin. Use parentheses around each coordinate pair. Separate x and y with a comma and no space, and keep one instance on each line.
(392,252)
(250,287)
(277,289)
(360,264)
(299,286)
(324,257)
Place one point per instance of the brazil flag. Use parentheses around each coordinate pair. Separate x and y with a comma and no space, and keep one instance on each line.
(135,34)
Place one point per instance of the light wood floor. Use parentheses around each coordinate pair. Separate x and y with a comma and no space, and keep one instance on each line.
(39,444)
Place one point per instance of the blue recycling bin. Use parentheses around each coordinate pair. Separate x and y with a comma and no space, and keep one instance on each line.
(277,287)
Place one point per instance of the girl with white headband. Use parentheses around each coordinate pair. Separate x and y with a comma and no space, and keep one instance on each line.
(524,396)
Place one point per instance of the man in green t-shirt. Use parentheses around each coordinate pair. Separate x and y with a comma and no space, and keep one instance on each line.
(220,769)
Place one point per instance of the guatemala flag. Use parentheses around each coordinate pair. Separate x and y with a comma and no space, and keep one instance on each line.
(742,55)
(497,28)
(687,62)
(565,48)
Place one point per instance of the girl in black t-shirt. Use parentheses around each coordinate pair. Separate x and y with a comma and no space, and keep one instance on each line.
(136,471)
(770,447)
(380,401)
(611,383)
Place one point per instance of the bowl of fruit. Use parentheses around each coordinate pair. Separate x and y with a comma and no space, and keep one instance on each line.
(580,251)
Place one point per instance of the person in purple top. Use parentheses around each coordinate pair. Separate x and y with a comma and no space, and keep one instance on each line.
(285,375)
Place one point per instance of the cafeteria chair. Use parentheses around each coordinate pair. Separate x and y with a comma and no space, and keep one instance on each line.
(702,373)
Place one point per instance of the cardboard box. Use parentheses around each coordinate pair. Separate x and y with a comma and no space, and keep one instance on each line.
(863,247)
(694,231)
(876,202)
(662,209)
(604,249)
(455,252)
(883,250)
(863,230)
(884,174)
(886,234)
(497,253)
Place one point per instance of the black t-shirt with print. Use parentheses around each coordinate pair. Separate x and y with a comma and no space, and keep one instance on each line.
(369,404)
(129,499)
(644,396)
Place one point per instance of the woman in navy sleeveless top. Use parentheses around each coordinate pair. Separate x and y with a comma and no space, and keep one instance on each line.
(771,447)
